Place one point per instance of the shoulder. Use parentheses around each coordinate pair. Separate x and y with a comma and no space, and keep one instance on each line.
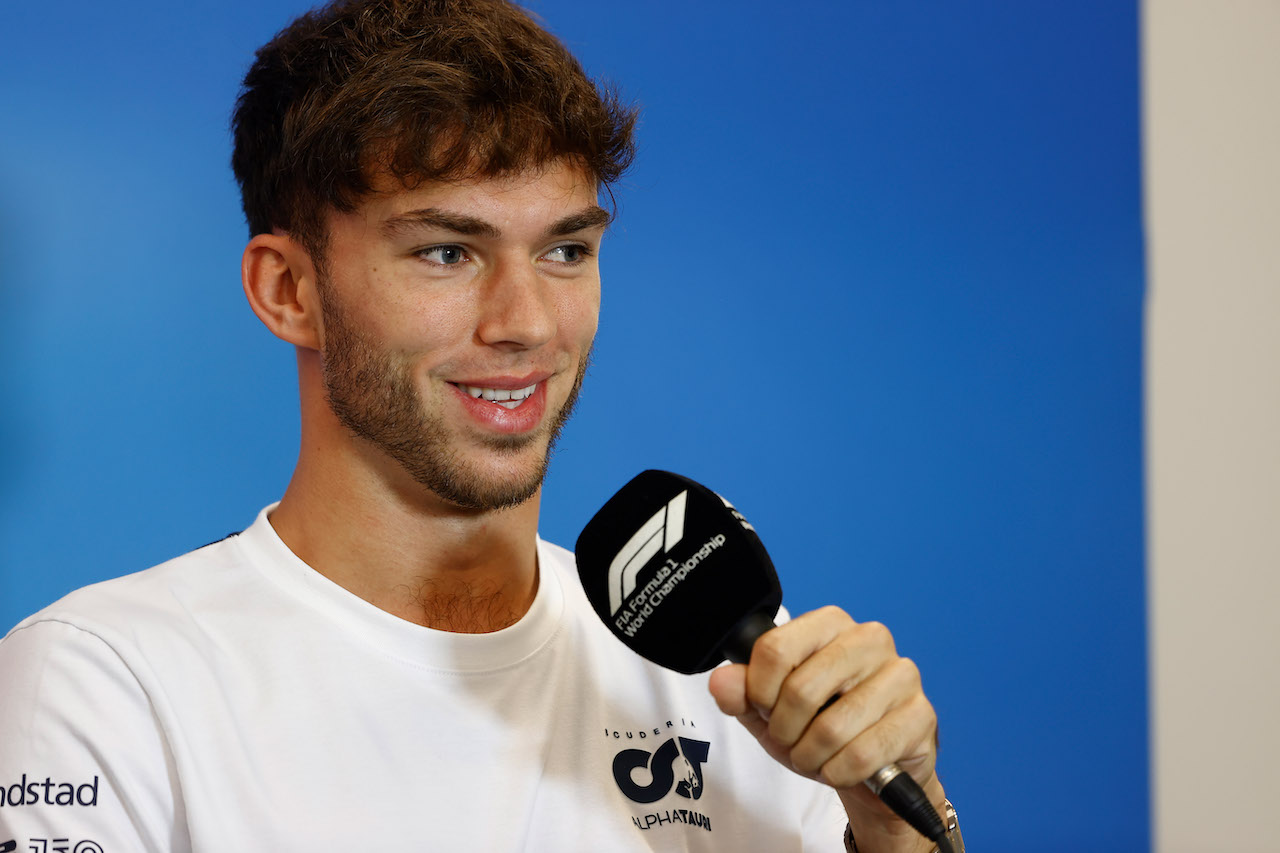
(126,647)
(161,593)
(135,621)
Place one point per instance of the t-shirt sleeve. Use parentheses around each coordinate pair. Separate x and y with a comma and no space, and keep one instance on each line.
(824,822)
(84,767)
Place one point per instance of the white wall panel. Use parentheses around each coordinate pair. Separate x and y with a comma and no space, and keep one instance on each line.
(1212,161)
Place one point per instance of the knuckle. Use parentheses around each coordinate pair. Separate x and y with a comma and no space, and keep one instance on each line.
(840,773)
(827,730)
(804,760)
(907,671)
(802,691)
(866,756)
(831,611)
(922,709)
(768,651)
(853,706)
(878,634)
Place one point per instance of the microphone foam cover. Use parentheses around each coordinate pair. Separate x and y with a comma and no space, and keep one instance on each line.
(673,570)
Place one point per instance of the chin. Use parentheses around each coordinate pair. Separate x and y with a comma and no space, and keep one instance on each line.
(491,484)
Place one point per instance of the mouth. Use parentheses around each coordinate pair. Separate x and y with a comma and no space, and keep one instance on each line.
(507,398)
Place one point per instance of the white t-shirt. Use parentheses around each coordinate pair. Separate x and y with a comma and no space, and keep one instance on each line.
(234,699)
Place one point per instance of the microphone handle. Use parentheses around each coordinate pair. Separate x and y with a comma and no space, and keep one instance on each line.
(897,790)
(891,784)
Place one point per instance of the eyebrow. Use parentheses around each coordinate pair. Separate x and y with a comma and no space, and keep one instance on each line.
(585,219)
(433,217)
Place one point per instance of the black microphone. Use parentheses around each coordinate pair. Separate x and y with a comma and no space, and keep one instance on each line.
(682,578)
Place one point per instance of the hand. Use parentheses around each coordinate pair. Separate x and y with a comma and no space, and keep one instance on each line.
(881,716)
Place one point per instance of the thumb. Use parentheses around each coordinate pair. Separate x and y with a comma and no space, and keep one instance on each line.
(729,688)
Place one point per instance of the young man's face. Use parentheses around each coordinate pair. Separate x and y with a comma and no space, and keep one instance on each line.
(458,318)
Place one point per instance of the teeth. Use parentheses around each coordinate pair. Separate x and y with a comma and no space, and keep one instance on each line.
(502,396)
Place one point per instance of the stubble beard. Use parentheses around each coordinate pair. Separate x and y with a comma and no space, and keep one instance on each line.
(374,396)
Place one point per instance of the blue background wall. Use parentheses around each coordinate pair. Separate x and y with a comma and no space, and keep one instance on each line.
(877,278)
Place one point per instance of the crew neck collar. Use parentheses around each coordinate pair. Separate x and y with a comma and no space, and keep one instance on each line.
(417,645)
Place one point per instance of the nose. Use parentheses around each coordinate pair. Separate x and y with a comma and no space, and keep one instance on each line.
(516,308)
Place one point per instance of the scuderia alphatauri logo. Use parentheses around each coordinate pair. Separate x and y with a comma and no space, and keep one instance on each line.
(671,766)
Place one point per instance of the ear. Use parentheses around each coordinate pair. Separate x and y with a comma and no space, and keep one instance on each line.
(279,280)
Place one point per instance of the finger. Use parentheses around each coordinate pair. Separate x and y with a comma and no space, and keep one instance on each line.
(729,688)
(895,683)
(853,656)
(782,649)
(903,736)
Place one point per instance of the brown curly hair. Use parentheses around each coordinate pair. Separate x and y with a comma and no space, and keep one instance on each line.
(421,90)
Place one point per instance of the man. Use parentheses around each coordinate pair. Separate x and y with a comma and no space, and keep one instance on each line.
(390,658)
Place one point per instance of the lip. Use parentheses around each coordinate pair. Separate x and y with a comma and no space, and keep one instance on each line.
(505,383)
(491,417)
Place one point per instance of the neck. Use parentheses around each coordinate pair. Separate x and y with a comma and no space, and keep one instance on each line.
(470,574)
(357,518)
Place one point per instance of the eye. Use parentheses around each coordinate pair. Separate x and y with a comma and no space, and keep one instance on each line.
(571,253)
(445,256)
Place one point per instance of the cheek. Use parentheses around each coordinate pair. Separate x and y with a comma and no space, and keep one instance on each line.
(579,314)
(426,325)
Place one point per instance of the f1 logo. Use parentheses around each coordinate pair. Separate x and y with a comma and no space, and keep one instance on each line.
(661,532)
